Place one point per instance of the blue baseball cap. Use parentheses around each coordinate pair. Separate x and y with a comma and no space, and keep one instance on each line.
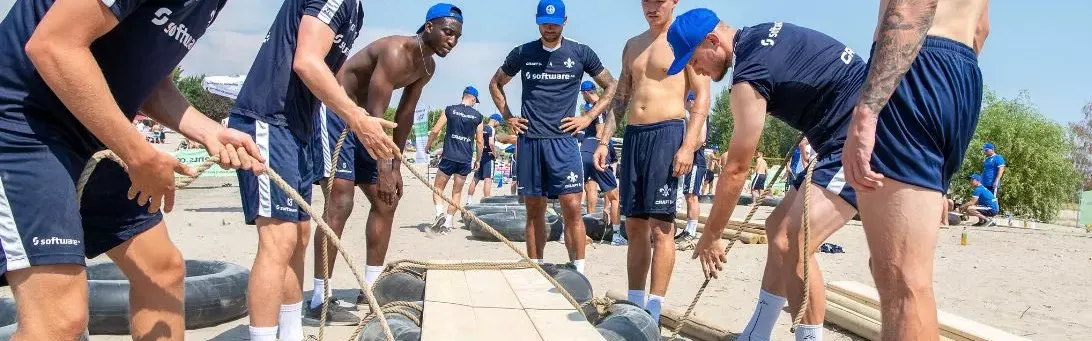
(987,146)
(497,117)
(686,33)
(587,86)
(442,10)
(587,106)
(470,90)
(975,177)
(550,12)
(690,97)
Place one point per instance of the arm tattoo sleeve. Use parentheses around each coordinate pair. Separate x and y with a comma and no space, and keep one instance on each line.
(902,30)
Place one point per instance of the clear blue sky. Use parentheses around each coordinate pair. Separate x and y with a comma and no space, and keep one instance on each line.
(1040,46)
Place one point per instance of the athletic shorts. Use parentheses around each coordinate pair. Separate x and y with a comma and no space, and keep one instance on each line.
(41,222)
(646,181)
(927,124)
(828,172)
(291,158)
(605,179)
(693,181)
(353,161)
(986,211)
(450,168)
(549,168)
(759,182)
(709,176)
(485,169)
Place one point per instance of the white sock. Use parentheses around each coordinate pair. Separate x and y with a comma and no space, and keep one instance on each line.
(263,333)
(767,310)
(371,273)
(579,264)
(447,221)
(653,306)
(439,209)
(636,297)
(291,322)
(536,261)
(318,292)
(809,332)
(466,200)
(692,227)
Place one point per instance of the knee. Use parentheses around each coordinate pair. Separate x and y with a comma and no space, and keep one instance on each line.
(64,324)
(343,204)
(897,282)
(778,248)
(167,271)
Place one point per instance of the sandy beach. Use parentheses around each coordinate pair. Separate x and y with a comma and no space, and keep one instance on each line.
(1030,283)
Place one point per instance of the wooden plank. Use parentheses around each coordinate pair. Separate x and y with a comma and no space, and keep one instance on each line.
(861,318)
(731,223)
(490,289)
(447,286)
(534,291)
(562,325)
(505,324)
(446,321)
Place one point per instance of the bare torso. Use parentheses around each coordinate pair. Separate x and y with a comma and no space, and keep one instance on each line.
(656,97)
(760,166)
(955,19)
(403,71)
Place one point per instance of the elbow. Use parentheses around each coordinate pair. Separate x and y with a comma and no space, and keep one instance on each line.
(302,66)
(38,50)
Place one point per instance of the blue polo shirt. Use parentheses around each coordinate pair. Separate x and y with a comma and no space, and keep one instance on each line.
(985,198)
(991,167)
(551,82)
(462,130)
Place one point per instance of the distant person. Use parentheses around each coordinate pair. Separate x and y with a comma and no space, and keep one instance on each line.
(484,173)
(759,181)
(983,203)
(462,137)
(992,168)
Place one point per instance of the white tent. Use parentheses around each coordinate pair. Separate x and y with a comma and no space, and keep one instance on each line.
(227,86)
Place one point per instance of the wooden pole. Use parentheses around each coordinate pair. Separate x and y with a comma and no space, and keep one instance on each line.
(696,328)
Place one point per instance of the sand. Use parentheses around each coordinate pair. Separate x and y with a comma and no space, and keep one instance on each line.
(1029,282)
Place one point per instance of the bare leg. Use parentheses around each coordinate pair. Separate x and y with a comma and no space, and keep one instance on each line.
(456,193)
(440,184)
(536,226)
(574,225)
(591,196)
(638,253)
(777,225)
(156,271)
(293,278)
(828,214)
(512,188)
(487,188)
(340,206)
(663,254)
(473,184)
(693,208)
(378,230)
(51,300)
(610,200)
(902,239)
(277,242)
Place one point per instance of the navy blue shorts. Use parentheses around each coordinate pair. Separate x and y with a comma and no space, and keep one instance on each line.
(693,181)
(648,156)
(759,182)
(291,158)
(450,168)
(353,161)
(828,172)
(485,169)
(549,167)
(40,220)
(986,211)
(605,179)
(924,130)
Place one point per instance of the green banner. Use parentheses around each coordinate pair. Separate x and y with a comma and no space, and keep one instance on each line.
(1085,214)
(194,157)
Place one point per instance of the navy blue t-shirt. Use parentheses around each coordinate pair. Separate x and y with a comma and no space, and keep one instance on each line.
(551,82)
(487,135)
(273,93)
(809,79)
(146,45)
(462,130)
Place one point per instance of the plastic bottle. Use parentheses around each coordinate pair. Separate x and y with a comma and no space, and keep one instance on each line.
(963,237)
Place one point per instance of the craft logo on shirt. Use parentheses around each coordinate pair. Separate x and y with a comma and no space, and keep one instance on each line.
(665,192)
(460,138)
(176,31)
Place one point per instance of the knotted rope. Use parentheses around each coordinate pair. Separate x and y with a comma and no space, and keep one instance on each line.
(806,251)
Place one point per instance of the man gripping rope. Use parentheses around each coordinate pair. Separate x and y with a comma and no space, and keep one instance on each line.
(464,130)
(369,78)
(551,68)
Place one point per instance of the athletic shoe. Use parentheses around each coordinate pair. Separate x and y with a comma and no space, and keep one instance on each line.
(683,236)
(981,222)
(438,226)
(617,240)
(336,315)
(989,222)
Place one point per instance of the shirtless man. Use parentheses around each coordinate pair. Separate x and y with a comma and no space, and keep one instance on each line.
(552,67)
(758,183)
(656,154)
(908,308)
(406,63)
(462,122)
(597,181)
(714,169)
(484,174)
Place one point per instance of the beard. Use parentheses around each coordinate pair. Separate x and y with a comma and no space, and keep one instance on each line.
(723,72)
(551,38)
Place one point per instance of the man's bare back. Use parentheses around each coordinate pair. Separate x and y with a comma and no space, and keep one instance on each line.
(654,96)
(965,21)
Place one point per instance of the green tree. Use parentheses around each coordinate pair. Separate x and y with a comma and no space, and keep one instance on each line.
(1039,177)
(192,88)
(777,136)
(1081,133)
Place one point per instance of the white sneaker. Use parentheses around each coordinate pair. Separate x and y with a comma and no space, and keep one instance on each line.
(617,240)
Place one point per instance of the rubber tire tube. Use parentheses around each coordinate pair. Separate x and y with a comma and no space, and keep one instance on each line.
(502,199)
(576,284)
(400,286)
(401,328)
(215,294)
(513,226)
(627,322)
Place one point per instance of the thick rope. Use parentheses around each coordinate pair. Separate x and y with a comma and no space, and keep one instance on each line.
(327,291)
(731,242)
(806,251)
(212,160)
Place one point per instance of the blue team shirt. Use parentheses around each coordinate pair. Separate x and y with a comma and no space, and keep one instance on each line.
(809,79)
(551,82)
(795,166)
(462,130)
(273,93)
(985,198)
(151,38)
(487,136)
(991,167)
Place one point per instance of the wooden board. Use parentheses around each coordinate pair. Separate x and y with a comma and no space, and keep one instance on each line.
(499,305)
(731,223)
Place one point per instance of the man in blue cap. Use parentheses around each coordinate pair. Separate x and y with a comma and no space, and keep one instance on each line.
(983,203)
(909,168)
(992,168)
(369,78)
(772,75)
(552,67)
(485,163)
(599,181)
(75,74)
(462,139)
